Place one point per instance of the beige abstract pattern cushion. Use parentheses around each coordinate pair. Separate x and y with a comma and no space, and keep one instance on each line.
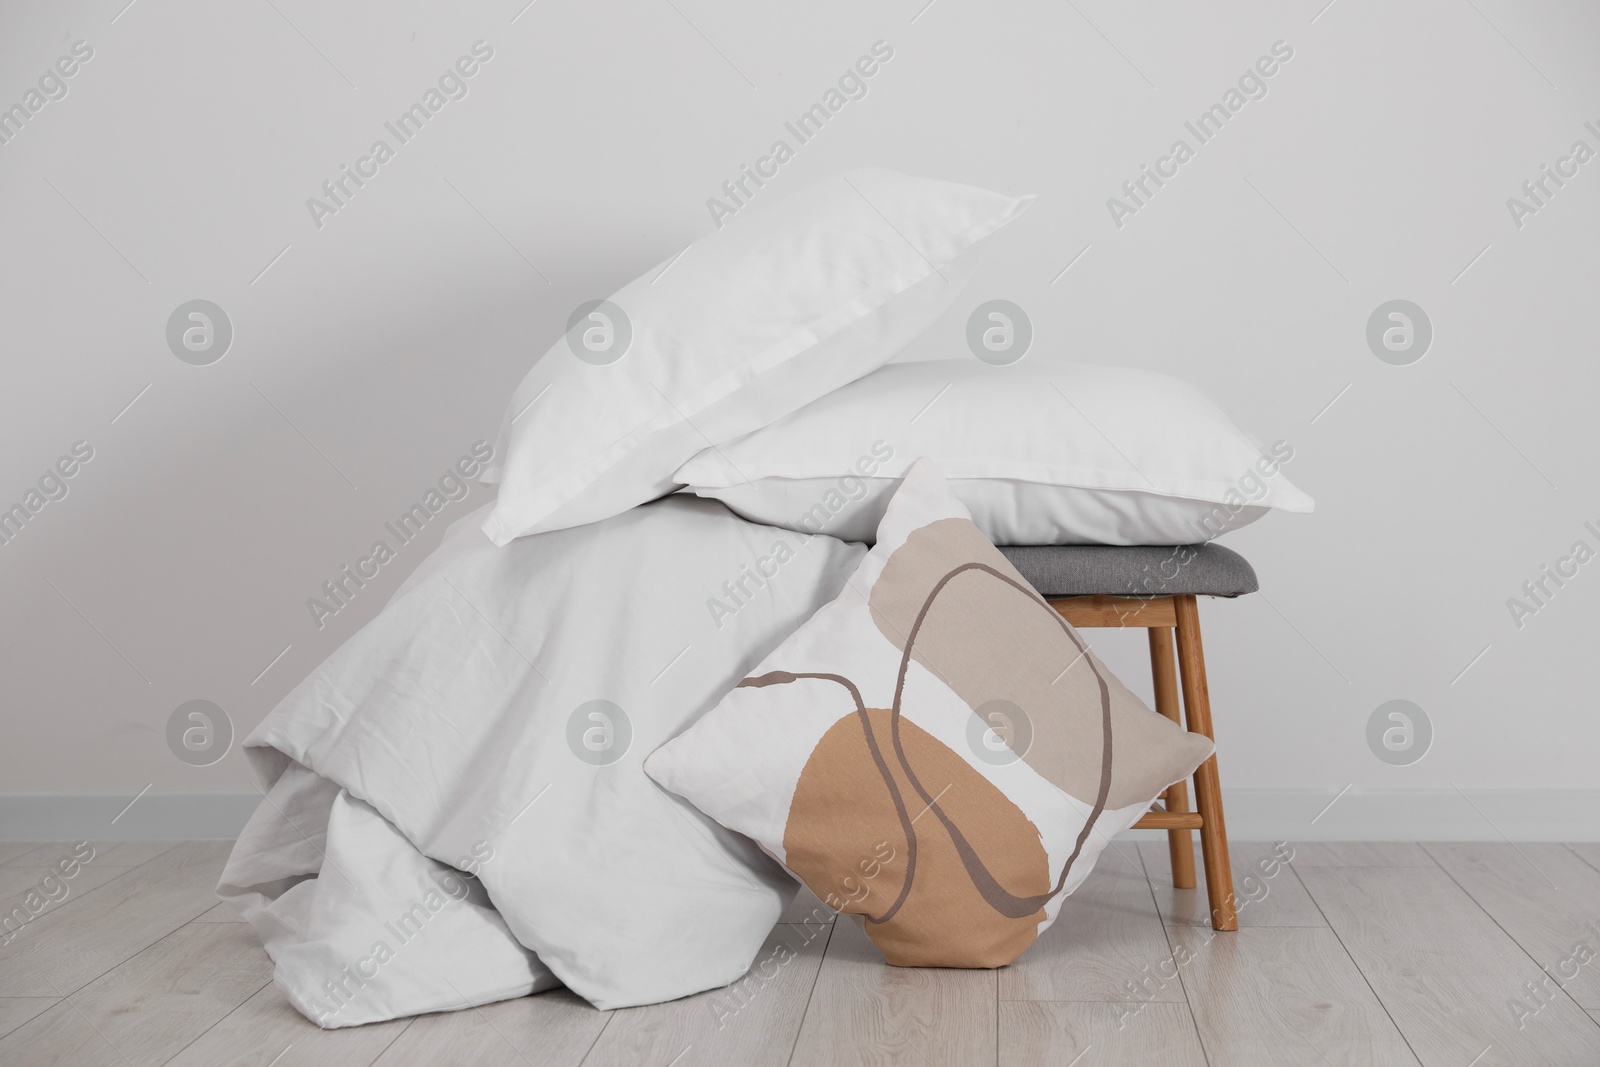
(936,752)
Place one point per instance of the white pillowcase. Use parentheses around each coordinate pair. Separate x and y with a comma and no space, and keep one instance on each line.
(1040,454)
(937,682)
(785,304)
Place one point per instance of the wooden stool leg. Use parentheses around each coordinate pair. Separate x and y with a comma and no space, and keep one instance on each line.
(1164,673)
(1208,796)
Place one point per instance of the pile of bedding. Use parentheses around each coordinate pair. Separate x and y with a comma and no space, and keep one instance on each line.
(456,804)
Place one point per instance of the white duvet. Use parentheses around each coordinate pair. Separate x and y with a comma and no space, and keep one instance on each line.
(455,807)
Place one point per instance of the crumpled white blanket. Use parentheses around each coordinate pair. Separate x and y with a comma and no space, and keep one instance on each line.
(455,808)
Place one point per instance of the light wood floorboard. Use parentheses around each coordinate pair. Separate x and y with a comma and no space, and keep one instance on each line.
(1268,894)
(15,882)
(1361,854)
(1444,970)
(1281,996)
(265,1030)
(106,853)
(1360,953)
(864,1012)
(552,1029)
(754,1021)
(1053,1034)
(1545,897)
(1588,853)
(1107,936)
(27,888)
(14,1011)
(63,950)
(10,850)
(147,1010)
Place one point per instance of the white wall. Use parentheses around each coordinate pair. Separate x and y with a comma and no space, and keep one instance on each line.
(381,345)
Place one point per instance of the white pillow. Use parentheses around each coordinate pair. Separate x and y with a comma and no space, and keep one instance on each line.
(754,320)
(1040,454)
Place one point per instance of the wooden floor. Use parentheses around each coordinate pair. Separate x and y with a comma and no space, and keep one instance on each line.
(1353,954)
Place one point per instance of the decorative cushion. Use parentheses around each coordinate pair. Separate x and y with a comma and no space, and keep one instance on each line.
(936,751)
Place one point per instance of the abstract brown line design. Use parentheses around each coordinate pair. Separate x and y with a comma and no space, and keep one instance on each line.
(906,824)
(983,880)
(1003,901)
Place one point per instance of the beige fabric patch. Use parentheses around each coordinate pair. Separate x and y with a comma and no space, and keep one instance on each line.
(860,831)
(983,639)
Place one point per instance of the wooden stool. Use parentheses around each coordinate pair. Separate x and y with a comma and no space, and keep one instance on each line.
(1156,587)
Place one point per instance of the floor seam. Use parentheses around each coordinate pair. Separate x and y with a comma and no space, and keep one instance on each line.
(54,1001)
(1509,936)
(225,1016)
(610,1014)
(398,1035)
(1166,935)
(811,993)
(1353,962)
(140,951)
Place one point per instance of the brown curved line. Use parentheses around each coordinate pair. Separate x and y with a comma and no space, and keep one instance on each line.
(997,896)
(906,825)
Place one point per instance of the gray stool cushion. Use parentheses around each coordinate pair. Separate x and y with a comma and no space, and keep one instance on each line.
(1137,570)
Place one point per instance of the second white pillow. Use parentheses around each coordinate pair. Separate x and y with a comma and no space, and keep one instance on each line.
(1066,454)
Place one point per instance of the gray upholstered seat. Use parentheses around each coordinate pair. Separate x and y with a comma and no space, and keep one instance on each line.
(1138,570)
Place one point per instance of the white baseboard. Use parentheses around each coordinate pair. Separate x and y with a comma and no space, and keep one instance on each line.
(1433,815)
(1253,815)
(101,817)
